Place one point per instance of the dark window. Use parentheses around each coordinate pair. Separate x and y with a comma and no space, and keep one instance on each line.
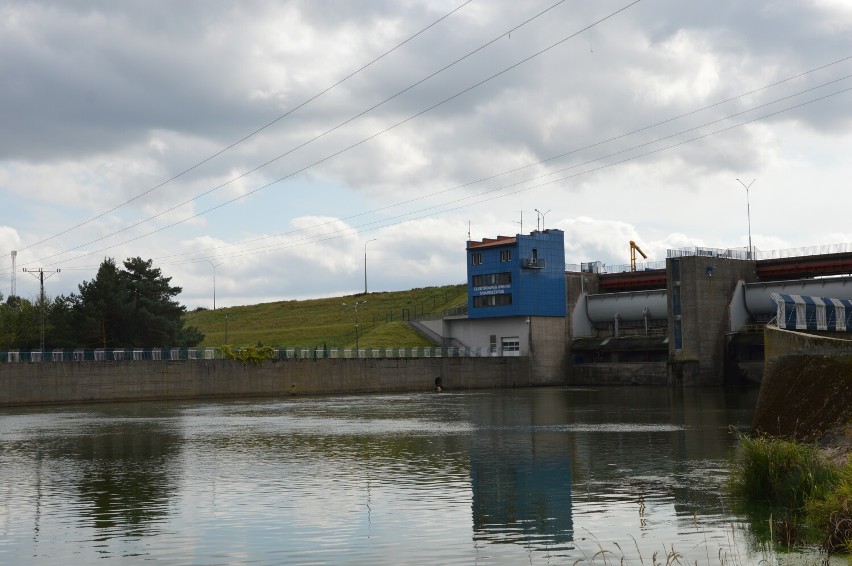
(506,255)
(492,300)
(492,279)
(476,258)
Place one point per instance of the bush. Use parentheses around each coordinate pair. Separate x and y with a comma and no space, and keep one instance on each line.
(254,354)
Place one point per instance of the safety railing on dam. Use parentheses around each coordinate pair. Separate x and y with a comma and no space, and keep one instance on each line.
(191,354)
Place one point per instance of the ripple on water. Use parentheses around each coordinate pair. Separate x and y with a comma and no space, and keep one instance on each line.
(503,477)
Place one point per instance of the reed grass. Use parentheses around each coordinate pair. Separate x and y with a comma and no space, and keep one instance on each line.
(811,497)
(832,514)
(780,472)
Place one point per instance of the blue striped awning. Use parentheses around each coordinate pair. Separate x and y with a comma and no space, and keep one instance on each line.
(802,312)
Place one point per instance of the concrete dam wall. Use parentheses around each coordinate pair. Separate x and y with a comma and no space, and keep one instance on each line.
(104,381)
(807,385)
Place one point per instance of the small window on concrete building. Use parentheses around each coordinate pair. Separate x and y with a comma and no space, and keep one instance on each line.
(506,255)
(493,344)
(511,345)
(476,258)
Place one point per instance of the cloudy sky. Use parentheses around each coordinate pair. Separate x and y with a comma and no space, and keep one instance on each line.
(277,140)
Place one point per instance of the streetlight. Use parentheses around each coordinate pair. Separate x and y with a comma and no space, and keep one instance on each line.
(365,263)
(355,305)
(215,265)
(748,212)
(541,217)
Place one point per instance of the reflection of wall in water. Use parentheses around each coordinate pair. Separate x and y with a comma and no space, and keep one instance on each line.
(521,473)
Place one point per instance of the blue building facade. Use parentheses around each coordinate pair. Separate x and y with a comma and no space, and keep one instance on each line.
(521,275)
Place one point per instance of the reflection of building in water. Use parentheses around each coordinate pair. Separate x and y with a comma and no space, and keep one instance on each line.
(521,477)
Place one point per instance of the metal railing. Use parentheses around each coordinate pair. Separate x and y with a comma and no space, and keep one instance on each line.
(805,251)
(191,354)
(599,267)
(729,253)
(626,268)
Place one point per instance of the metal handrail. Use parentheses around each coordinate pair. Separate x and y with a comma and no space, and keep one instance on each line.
(201,354)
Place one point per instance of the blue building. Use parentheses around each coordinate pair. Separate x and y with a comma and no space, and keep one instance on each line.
(521,275)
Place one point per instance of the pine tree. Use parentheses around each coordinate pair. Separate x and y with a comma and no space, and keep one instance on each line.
(103,311)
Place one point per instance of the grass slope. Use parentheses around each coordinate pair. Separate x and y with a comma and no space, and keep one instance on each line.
(318,322)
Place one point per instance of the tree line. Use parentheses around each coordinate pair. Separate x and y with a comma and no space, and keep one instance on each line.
(132,306)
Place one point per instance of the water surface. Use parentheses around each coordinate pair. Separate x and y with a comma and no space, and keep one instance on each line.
(539,476)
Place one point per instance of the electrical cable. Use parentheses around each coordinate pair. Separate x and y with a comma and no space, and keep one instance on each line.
(489,195)
(564,154)
(339,152)
(251,134)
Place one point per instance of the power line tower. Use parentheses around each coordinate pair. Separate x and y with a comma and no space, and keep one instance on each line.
(41,272)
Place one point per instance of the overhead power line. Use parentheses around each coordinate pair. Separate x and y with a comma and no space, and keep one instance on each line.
(408,215)
(554,157)
(347,148)
(251,134)
(493,194)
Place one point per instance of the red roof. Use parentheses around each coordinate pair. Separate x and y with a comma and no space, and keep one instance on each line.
(491,242)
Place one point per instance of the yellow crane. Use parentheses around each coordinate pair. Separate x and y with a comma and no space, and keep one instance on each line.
(633,249)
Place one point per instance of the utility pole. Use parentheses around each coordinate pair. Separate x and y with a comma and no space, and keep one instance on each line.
(40,277)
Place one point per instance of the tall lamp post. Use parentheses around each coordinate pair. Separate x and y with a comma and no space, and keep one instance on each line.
(748,213)
(365,264)
(541,216)
(215,265)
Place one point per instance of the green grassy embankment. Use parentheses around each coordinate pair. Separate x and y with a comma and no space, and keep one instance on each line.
(318,322)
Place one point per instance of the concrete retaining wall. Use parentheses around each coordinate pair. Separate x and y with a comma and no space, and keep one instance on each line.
(807,385)
(85,382)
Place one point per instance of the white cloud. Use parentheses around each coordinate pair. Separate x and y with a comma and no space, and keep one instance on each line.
(104,102)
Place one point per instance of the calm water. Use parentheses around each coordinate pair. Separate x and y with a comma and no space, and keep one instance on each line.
(539,476)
